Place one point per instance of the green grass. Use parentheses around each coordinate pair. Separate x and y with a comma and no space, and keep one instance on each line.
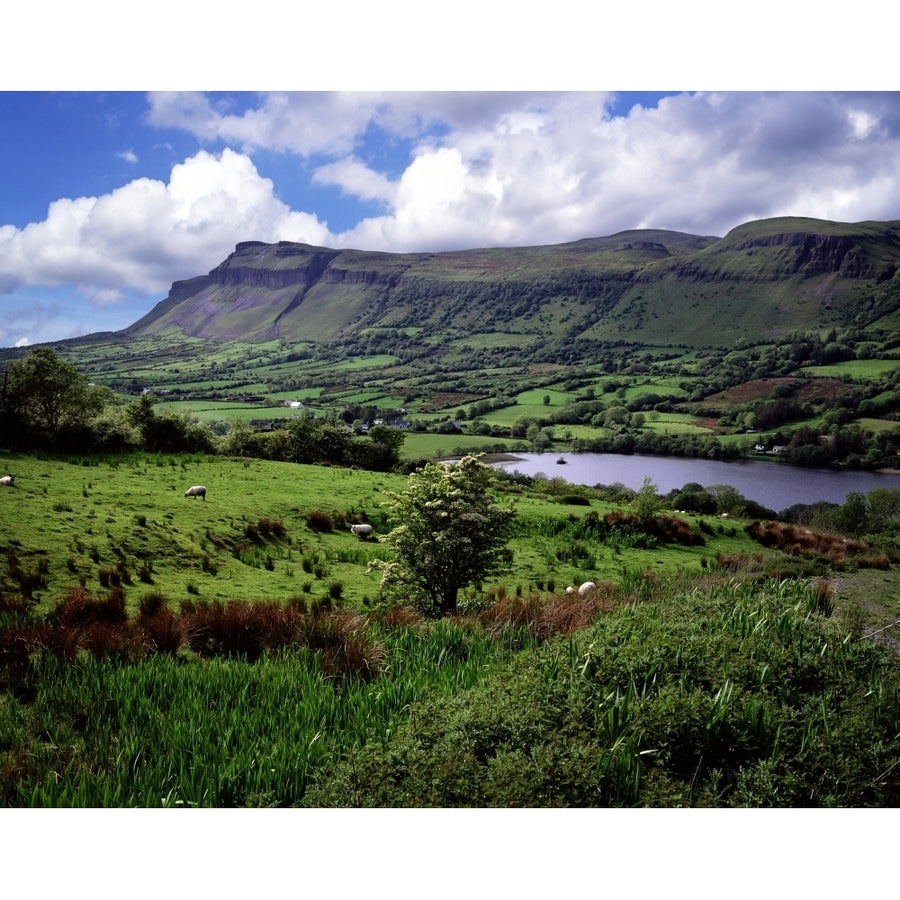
(857,369)
(84,520)
(380,361)
(716,690)
(234,732)
(697,681)
(88,516)
(219,410)
(419,445)
(694,694)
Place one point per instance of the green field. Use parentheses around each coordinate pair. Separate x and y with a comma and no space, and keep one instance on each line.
(82,520)
(256,648)
(858,369)
(89,517)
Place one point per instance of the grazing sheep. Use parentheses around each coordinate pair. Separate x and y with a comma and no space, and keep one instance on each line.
(570,589)
(196,491)
(587,586)
(361,531)
(8,480)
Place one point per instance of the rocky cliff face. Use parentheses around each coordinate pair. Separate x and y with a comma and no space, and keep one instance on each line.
(272,266)
(760,254)
(597,286)
(254,264)
(818,254)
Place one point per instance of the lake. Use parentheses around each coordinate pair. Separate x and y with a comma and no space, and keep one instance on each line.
(774,485)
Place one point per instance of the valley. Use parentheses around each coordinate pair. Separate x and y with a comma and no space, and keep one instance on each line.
(722,658)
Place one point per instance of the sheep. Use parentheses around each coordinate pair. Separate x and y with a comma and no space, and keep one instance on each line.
(8,480)
(586,587)
(361,531)
(570,589)
(196,491)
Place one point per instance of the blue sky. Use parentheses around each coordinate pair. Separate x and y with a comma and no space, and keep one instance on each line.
(107,197)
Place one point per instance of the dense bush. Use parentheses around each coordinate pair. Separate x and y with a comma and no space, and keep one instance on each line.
(721,695)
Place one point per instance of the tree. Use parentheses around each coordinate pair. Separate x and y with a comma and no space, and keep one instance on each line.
(383,450)
(647,502)
(44,394)
(450,534)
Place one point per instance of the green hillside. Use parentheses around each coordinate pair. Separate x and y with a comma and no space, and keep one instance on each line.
(762,279)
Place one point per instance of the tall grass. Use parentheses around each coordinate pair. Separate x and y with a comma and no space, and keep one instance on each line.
(248,729)
(708,693)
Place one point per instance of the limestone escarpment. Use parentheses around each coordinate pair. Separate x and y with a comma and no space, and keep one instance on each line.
(764,277)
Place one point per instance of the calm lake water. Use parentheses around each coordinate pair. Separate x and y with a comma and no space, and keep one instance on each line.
(775,485)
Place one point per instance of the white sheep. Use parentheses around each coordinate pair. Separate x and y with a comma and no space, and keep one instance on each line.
(8,480)
(586,587)
(570,589)
(196,491)
(361,531)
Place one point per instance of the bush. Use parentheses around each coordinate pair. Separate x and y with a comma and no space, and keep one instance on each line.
(317,520)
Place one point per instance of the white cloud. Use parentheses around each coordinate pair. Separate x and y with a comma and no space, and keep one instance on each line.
(701,163)
(148,233)
(129,156)
(105,297)
(299,122)
(481,169)
(356,178)
(312,122)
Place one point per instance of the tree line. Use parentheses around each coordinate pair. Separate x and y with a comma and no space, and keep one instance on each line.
(47,404)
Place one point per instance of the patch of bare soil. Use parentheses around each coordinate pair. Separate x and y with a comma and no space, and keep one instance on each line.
(748,391)
(821,390)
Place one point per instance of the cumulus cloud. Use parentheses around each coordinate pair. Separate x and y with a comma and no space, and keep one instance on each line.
(356,178)
(307,122)
(148,233)
(566,168)
(332,123)
(451,170)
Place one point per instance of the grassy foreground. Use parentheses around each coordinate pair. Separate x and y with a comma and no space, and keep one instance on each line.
(700,692)
(157,650)
(272,530)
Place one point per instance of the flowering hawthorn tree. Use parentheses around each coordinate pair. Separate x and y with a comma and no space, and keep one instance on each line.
(451,533)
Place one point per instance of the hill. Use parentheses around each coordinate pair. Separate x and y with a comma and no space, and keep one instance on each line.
(762,279)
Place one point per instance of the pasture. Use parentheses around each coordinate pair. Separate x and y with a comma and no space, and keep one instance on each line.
(272,531)
(309,691)
(125,520)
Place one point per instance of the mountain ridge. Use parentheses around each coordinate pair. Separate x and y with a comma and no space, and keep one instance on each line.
(638,284)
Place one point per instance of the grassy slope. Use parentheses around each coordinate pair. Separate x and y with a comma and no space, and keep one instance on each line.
(709,693)
(686,289)
(87,519)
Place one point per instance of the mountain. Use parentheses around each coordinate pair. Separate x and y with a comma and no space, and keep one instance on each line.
(762,279)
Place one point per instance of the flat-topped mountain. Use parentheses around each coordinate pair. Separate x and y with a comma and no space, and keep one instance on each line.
(762,279)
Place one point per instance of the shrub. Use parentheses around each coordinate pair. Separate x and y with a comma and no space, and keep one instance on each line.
(317,520)
(271,527)
(574,500)
(151,603)
(874,561)
(543,618)
(239,628)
